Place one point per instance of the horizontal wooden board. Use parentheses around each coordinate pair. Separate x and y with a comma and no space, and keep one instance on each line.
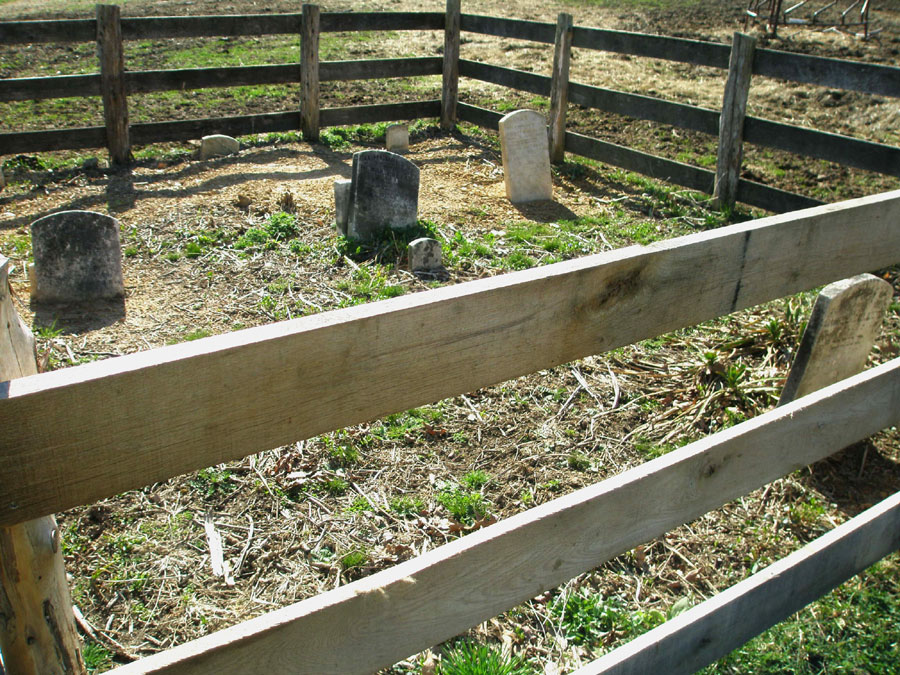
(487,119)
(668,170)
(143,81)
(714,628)
(645,108)
(56,139)
(509,28)
(653,46)
(866,77)
(505,77)
(175,408)
(370,69)
(42,88)
(383,618)
(331,22)
(772,198)
(184,130)
(230,25)
(383,112)
(27,32)
(823,145)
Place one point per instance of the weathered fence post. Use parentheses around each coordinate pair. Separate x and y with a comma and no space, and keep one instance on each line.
(37,625)
(450,89)
(112,83)
(731,121)
(309,73)
(559,87)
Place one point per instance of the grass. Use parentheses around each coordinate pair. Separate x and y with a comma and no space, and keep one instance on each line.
(472,658)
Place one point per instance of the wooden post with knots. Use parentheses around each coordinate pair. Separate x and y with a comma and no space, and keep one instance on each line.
(559,87)
(450,88)
(37,623)
(309,73)
(111,53)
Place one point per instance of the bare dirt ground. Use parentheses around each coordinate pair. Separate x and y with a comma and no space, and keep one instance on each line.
(303,519)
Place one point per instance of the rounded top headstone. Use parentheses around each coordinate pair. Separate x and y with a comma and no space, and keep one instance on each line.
(77,257)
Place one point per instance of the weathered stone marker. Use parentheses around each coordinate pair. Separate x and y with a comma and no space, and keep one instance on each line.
(384,192)
(396,138)
(425,255)
(77,257)
(341,205)
(526,156)
(218,145)
(839,335)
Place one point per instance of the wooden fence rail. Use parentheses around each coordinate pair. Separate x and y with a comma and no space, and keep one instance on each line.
(883,80)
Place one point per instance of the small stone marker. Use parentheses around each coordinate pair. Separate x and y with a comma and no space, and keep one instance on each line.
(839,335)
(341,205)
(77,257)
(384,192)
(217,145)
(2,179)
(396,138)
(425,256)
(526,156)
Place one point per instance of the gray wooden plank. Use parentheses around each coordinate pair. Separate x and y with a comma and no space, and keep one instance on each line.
(505,77)
(825,72)
(370,69)
(382,112)
(653,46)
(364,21)
(509,28)
(42,88)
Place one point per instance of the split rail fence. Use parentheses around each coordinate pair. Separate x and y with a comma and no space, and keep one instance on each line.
(114,83)
(77,435)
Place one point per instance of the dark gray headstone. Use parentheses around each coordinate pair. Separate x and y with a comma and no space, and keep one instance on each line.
(77,257)
(384,193)
(341,205)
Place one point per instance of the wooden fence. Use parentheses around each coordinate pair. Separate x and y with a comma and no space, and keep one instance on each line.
(733,126)
(175,411)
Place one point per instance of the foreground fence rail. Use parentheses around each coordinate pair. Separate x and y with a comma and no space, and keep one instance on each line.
(174,409)
(725,183)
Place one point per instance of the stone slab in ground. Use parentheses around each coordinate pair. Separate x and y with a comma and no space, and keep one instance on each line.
(526,156)
(218,145)
(77,257)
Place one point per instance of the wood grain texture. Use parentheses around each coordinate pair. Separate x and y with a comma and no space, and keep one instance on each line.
(771,198)
(838,73)
(645,108)
(182,130)
(369,69)
(505,77)
(714,628)
(823,145)
(534,31)
(731,120)
(143,81)
(488,119)
(112,83)
(358,21)
(42,88)
(37,630)
(174,408)
(309,74)
(450,81)
(33,32)
(55,139)
(378,620)
(653,46)
(381,112)
(559,87)
(230,25)
(633,160)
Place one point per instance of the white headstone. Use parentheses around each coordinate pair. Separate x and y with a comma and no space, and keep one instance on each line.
(839,335)
(526,156)
(396,138)
(217,145)
(77,257)
(425,255)
(341,205)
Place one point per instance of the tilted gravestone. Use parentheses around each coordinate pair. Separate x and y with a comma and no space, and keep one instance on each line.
(396,138)
(842,327)
(217,145)
(384,193)
(425,255)
(526,156)
(341,205)
(77,257)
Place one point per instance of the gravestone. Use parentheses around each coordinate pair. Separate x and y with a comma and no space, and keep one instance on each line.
(341,205)
(396,138)
(839,335)
(526,156)
(77,257)
(425,255)
(218,145)
(384,192)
